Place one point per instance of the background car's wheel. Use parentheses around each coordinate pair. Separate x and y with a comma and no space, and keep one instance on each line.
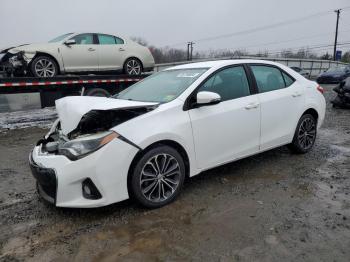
(157,177)
(305,134)
(44,66)
(97,92)
(133,66)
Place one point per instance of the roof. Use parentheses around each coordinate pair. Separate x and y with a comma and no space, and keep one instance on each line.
(220,63)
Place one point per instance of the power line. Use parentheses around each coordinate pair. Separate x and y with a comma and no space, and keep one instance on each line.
(289,40)
(262,28)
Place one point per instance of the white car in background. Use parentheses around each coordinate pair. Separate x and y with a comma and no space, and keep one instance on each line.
(79,53)
(174,124)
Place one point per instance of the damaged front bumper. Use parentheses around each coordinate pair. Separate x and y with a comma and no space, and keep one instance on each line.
(46,180)
(96,180)
(15,64)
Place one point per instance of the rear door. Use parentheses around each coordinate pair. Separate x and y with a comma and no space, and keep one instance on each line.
(111,52)
(282,99)
(81,56)
(230,129)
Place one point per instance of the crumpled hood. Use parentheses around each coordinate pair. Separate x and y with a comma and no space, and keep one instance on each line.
(71,109)
(13,49)
(4,50)
(31,47)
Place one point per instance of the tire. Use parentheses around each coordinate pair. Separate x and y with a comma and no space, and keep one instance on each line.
(150,184)
(133,66)
(97,92)
(305,135)
(44,66)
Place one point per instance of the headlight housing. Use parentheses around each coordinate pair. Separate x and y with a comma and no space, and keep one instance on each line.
(81,147)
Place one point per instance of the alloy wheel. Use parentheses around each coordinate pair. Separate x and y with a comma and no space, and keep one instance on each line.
(307,133)
(160,177)
(133,67)
(45,68)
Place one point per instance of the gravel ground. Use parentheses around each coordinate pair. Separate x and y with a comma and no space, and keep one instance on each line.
(275,206)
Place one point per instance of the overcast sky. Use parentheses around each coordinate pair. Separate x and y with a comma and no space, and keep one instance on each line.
(165,22)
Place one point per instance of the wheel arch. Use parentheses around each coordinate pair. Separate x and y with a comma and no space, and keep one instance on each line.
(40,53)
(312,111)
(168,142)
(134,57)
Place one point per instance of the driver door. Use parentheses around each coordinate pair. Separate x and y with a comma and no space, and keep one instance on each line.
(81,56)
(230,129)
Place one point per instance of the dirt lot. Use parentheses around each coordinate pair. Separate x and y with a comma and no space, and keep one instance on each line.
(272,207)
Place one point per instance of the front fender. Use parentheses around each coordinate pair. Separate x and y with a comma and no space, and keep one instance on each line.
(31,52)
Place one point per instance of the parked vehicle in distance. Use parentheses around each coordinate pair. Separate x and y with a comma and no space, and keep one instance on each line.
(301,71)
(174,124)
(78,53)
(342,100)
(334,75)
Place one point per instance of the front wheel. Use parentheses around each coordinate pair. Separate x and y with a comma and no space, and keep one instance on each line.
(43,66)
(158,177)
(133,66)
(305,135)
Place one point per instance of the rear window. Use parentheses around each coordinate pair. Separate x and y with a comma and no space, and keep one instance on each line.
(270,78)
(109,40)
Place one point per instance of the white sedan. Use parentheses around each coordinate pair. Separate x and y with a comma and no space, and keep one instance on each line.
(78,53)
(173,124)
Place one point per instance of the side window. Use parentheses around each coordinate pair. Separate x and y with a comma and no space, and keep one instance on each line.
(229,83)
(287,79)
(106,39)
(83,39)
(268,78)
(119,41)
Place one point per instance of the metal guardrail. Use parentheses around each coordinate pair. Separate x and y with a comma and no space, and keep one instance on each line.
(313,66)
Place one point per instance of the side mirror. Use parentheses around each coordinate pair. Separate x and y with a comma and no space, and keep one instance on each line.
(70,42)
(207,98)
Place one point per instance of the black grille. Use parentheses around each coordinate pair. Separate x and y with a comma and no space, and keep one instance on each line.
(46,180)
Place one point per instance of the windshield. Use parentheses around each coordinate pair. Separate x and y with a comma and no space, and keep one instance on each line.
(336,70)
(59,38)
(162,87)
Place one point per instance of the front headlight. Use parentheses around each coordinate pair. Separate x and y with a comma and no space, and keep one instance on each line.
(83,146)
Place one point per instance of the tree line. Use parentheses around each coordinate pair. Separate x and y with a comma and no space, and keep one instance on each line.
(168,54)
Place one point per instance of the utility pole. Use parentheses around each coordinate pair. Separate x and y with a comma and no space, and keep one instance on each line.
(336,34)
(189,50)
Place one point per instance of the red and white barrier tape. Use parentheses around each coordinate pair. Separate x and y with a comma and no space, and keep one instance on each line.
(68,82)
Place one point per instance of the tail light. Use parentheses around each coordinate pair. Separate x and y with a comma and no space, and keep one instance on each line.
(320,89)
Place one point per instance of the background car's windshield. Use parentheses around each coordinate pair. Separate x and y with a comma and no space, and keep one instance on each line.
(59,38)
(163,86)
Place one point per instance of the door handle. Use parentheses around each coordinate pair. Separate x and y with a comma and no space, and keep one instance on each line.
(296,94)
(252,105)
(91,49)
(121,49)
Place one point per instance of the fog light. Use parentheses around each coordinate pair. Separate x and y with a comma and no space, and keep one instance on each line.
(90,191)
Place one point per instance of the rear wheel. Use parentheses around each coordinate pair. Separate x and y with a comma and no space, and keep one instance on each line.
(158,177)
(44,66)
(305,135)
(133,66)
